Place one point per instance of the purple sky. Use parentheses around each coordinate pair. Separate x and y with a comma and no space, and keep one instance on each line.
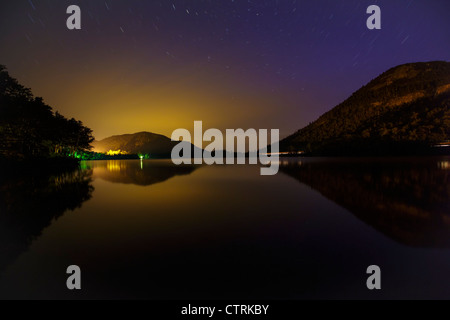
(160,65)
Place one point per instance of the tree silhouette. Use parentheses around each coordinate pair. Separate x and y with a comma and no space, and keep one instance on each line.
(30,129)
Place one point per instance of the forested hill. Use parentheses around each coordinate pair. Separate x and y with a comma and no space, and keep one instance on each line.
(146,144)
(138,143)
(405,108)
(30,129)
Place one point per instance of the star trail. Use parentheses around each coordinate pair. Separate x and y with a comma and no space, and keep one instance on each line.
(160,65)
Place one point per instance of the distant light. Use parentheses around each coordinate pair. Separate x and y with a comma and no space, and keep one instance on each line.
(142,157)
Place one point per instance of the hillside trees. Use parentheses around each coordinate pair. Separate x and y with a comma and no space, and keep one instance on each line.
(30,129)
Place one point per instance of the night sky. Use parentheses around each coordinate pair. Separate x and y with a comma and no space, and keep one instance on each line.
(159,65)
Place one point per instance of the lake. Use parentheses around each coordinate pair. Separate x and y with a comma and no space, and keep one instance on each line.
(151,230)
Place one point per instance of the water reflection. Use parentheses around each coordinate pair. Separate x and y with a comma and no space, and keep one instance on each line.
(226,232)
(31,201)
(444,165)
(137,172)
(407,200)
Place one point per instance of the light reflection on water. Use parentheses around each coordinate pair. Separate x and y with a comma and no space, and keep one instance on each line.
(444,165)
(149,229)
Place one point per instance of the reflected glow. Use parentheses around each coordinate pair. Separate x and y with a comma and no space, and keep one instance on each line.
(288,162)
(114,165)
(444,165)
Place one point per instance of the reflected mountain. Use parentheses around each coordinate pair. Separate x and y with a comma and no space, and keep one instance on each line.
(31,200)
(141,173)
(407,200)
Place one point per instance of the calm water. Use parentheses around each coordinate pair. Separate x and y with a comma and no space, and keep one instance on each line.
(152,230)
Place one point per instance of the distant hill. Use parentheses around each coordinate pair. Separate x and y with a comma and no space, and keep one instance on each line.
(406,109)
(146,143)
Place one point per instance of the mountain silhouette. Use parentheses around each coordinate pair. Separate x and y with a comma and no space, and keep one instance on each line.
(406,109)
(147,143)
